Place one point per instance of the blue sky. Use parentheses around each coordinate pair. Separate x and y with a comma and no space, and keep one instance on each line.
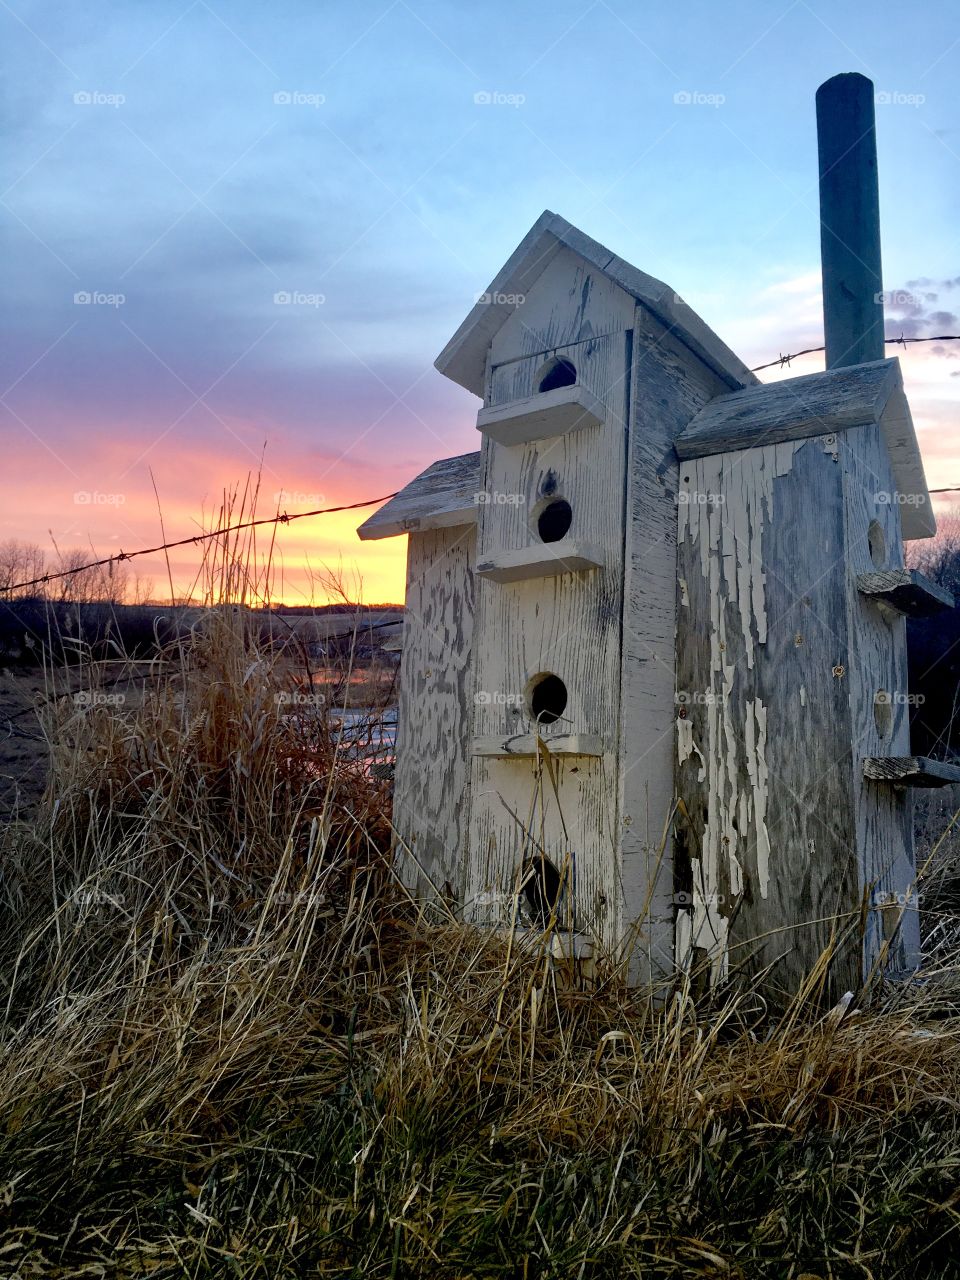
(196,159)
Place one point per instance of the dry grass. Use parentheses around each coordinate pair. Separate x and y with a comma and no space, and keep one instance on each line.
(231,1047)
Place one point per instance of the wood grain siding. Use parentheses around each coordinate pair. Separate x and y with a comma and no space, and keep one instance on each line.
(549,413)
(877,680)
(431,792)
(568,625)
(571,303)
(442,497)
(765,768)
(911,771)
(668,387)
(906,591)
(565,556)
(818,404)
(810,405)
(531,272)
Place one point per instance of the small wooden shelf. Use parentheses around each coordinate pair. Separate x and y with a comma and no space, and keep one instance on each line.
(906,590)
(550,413)
(910,771)
(504,746)
(546,559)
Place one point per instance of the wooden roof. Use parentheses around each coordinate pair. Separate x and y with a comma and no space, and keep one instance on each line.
(463,359)
(818,404)
(442,496)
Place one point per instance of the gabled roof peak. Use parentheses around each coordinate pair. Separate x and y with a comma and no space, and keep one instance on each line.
(463,359)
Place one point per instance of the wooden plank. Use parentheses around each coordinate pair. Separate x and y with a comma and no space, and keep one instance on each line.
(590,306)
(911,771)
(464,357)
(817,404)
(814,404)
(667,388)
(431,799)
(764,724)
(536,417)
(539,561)
(444,496)
(876,677)
(525,744)
(909,489)
(906,590)
(568,625)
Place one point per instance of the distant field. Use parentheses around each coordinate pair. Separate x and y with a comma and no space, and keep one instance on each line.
(356,675)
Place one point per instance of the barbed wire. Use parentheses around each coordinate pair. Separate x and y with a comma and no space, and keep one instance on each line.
(782,361)
(281,518)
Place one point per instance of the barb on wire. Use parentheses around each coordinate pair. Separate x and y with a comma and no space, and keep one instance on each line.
(281,518)
(784,361)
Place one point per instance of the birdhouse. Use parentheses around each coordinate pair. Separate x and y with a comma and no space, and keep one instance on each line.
(653,680)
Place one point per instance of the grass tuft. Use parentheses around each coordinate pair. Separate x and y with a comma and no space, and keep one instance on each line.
(232,1046)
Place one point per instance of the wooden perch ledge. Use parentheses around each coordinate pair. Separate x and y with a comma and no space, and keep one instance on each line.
(911,771)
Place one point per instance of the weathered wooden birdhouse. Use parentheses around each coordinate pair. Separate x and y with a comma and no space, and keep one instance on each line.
(653,681)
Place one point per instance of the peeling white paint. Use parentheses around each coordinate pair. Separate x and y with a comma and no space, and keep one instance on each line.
(803,695)
(756,744)
(686,747)
(729,536)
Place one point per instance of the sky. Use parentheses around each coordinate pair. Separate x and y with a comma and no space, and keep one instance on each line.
(174,170)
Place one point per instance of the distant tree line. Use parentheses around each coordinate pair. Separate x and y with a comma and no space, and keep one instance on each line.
(103,608)
(106,584)
(106,611)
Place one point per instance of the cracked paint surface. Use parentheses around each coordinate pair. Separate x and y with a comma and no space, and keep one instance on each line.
(727,529)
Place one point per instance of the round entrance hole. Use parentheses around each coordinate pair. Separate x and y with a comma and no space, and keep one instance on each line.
(542,886)
(546,698)
(558,373)
(553,522)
